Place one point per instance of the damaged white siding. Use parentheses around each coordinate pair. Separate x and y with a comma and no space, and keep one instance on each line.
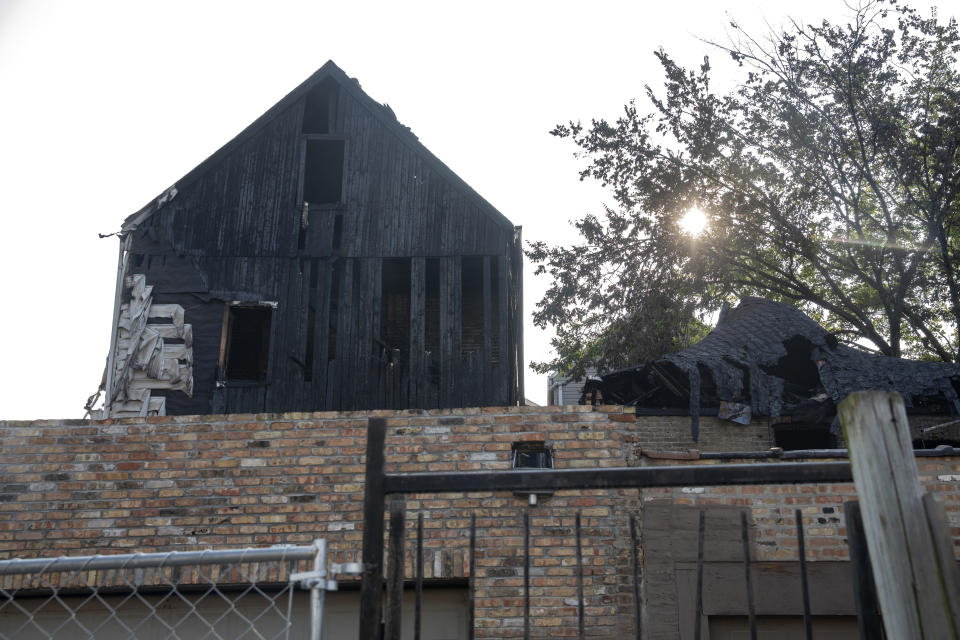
(154,351)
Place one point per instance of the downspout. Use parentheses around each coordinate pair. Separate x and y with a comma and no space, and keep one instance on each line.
(125,240)
(518,316)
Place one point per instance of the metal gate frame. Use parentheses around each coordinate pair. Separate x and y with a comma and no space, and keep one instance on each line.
(379,484)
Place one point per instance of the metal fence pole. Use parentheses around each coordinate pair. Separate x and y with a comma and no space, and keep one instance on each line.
(319,590)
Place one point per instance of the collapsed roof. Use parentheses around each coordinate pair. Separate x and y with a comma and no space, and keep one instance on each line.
(771,359)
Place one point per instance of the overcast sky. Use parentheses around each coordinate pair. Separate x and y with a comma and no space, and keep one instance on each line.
(105,104)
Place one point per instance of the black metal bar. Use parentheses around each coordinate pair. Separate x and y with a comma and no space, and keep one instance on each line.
(526,574)
(418,604)
(580,620)
(636,575)
(804,584)
(373,499)
(770,454)
(473,568)
(751,609)
(623,477)
(864,588)
(701,529)
(395,570)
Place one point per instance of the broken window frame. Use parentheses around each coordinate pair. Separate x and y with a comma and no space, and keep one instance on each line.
(226,336)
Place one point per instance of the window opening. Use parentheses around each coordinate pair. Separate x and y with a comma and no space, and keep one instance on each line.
(248,342)
(323,172)
(532,455)
(395,306)
(318,113)
(471,300)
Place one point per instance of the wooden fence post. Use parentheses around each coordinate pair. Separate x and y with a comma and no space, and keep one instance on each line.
(913,580)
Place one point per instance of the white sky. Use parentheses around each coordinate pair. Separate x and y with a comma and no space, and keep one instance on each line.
(104,104)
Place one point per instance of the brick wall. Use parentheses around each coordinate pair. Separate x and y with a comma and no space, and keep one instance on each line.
(773,508)
(191,482)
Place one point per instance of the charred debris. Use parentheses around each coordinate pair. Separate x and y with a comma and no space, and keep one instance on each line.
(769,359)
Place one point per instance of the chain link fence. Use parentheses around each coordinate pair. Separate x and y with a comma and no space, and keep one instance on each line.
(219,594)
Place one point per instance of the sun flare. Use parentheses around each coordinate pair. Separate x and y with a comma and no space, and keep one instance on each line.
(693,222)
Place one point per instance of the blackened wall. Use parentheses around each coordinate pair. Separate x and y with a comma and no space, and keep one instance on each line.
(240,231)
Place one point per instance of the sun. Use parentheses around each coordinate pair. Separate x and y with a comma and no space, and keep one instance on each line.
(693,222)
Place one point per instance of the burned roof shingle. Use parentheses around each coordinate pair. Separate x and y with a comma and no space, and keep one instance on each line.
(774,358)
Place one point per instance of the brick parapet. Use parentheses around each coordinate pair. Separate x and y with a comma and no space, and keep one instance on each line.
(191,482)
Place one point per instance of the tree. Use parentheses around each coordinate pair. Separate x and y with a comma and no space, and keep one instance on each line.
(830,178)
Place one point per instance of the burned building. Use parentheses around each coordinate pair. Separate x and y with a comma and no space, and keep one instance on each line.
(770,359)
(323,259)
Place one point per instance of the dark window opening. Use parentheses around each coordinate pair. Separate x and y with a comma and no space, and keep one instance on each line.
(471,301)
(395,307)
(431,326)
(248,343)
(793,436)
(318,113)
(532,455)
(323,173)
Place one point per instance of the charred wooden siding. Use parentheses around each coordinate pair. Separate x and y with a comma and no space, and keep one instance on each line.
(369,290)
